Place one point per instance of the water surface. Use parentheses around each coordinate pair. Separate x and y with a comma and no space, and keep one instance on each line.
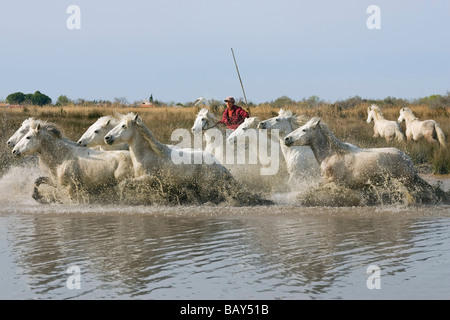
(283,251)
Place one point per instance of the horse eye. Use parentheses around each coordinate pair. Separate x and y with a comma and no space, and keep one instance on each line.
(304,130)
(28,138)
(124,126)
(276,119)
(96,131)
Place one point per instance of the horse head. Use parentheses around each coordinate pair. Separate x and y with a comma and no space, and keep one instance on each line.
(96,132)
(402,115)
(30,141)
(204,120)
(304,135)
(22,131)
(285,122)
(249,123)
(124,130)
(372,113)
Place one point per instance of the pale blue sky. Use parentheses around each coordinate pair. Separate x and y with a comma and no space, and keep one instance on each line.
(179,50)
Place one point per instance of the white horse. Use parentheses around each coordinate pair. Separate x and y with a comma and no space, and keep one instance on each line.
(93,137)
(82,171)
(415,129)
(388,129)
(241,159)
(347,164)
(186,166)
(300,162)
(18,135)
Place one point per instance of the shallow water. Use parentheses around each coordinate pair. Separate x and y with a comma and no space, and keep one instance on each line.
(284,251)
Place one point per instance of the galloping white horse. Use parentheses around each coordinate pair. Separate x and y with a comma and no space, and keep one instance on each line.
(388,129)
(415,129)
(300,162)
(246,170)
(93,137)
(347,164)
(73,167)
(18,135)
(151,157)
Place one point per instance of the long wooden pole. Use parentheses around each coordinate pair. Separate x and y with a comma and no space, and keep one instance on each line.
(240,80)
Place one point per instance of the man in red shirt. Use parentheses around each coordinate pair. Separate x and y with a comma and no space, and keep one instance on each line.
(233,115)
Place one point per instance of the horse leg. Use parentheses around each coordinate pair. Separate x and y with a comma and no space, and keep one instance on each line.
(427,193)
(42,180)
(376,134)
(409,135)
(36,194)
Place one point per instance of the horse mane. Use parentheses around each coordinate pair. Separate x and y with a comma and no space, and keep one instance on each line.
(29,120)
(159,148)
(296,120)
(377,110)
(207,113)
(104,120)
(339,146)
(410,114)
(253,121)
(50,127)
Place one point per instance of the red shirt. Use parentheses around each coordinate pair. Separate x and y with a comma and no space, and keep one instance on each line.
(234,117)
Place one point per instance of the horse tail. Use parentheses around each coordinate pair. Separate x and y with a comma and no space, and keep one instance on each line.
(440,135)
(399,134)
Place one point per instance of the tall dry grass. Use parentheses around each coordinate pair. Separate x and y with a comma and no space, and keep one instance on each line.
(348,125)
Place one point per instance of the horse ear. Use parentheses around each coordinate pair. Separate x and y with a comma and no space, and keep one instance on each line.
(38,127)
(137,118)
(107,122)
(316,123)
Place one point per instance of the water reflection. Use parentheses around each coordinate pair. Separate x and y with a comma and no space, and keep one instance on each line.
(294,255)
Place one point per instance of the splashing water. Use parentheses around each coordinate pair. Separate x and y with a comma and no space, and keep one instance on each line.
(18,184)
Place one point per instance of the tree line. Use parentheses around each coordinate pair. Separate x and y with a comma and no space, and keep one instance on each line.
(36,98)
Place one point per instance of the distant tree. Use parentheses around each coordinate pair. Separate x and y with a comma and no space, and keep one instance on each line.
(151,98)
(63,100)
(15,98)
(348,103)
(282,102)
(390,100)
(313,101)
(216,105)
(40,99)
(121,100)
